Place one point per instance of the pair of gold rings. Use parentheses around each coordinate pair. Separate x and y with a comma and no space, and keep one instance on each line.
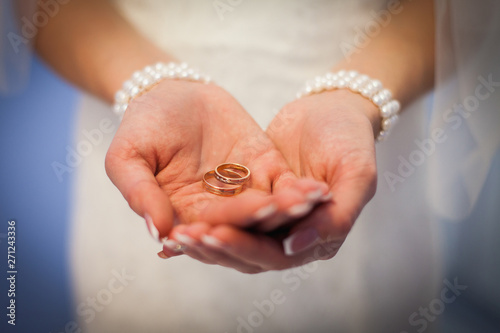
(226,179)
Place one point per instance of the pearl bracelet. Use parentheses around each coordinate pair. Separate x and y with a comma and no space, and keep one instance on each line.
(142,81)
(361,84)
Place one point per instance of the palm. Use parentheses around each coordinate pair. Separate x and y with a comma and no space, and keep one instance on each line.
(179,131)
(329,137)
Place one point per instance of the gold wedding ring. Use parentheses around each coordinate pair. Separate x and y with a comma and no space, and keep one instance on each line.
(222,170)
(227,179)
(224,189)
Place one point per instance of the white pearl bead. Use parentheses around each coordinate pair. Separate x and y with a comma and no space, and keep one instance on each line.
(123,108)
(159,66)
(157,77)
(396,106)
(127,85)
(137,79)
(386,124)
(134,91)
(195,77)
(352,74)
(318,87)
(136,75)
(376,84)
(121,97)
(348,79)
(386,110)
(367,91)
(382,136)
(146,82)
(363,78)
(117,109)
(353,85)
(377,99)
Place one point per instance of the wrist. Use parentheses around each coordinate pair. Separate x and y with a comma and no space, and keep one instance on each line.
(369,89)
(361,106)
(143,80)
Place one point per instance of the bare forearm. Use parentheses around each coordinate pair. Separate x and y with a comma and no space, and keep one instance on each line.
(402,55)
(92,46)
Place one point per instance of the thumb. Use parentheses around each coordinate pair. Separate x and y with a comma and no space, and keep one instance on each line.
(331,222)
(136,181)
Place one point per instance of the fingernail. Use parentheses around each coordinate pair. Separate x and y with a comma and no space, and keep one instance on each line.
(162,255)
(172,245)
(185,239)
(300,241)
(300,210)
(314,195)
(265,212)
(151,227)
(327,197)
(212,242)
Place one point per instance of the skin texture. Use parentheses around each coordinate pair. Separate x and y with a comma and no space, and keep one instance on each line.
(332,143)
(175,133)
(178,130)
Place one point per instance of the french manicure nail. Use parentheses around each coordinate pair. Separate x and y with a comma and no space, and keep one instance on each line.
(162,255)
(265,212)
(300,210)
(314,195)
(300,241)
(151,227)
(172,245)
(185,239)
(212,242)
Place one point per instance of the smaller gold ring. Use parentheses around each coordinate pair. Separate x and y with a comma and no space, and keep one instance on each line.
(219,190)
(232,168)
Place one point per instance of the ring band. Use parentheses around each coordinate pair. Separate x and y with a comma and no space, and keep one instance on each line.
(234,168)
(233,189)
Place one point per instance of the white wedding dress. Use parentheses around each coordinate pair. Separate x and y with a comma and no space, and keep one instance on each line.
(261,52)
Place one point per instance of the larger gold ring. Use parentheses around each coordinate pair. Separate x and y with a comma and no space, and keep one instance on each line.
(242,172)
(225,189)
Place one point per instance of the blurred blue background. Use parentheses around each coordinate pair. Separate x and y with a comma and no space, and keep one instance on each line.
(36,124)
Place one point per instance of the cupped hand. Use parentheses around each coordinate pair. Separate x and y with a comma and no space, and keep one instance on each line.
(328,137)
(173,134)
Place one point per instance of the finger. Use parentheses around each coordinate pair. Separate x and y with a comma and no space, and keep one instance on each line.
(295,200)
(237,210)
(254,209)
(256,249)
(202,247)
(137,183)
(333,221)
